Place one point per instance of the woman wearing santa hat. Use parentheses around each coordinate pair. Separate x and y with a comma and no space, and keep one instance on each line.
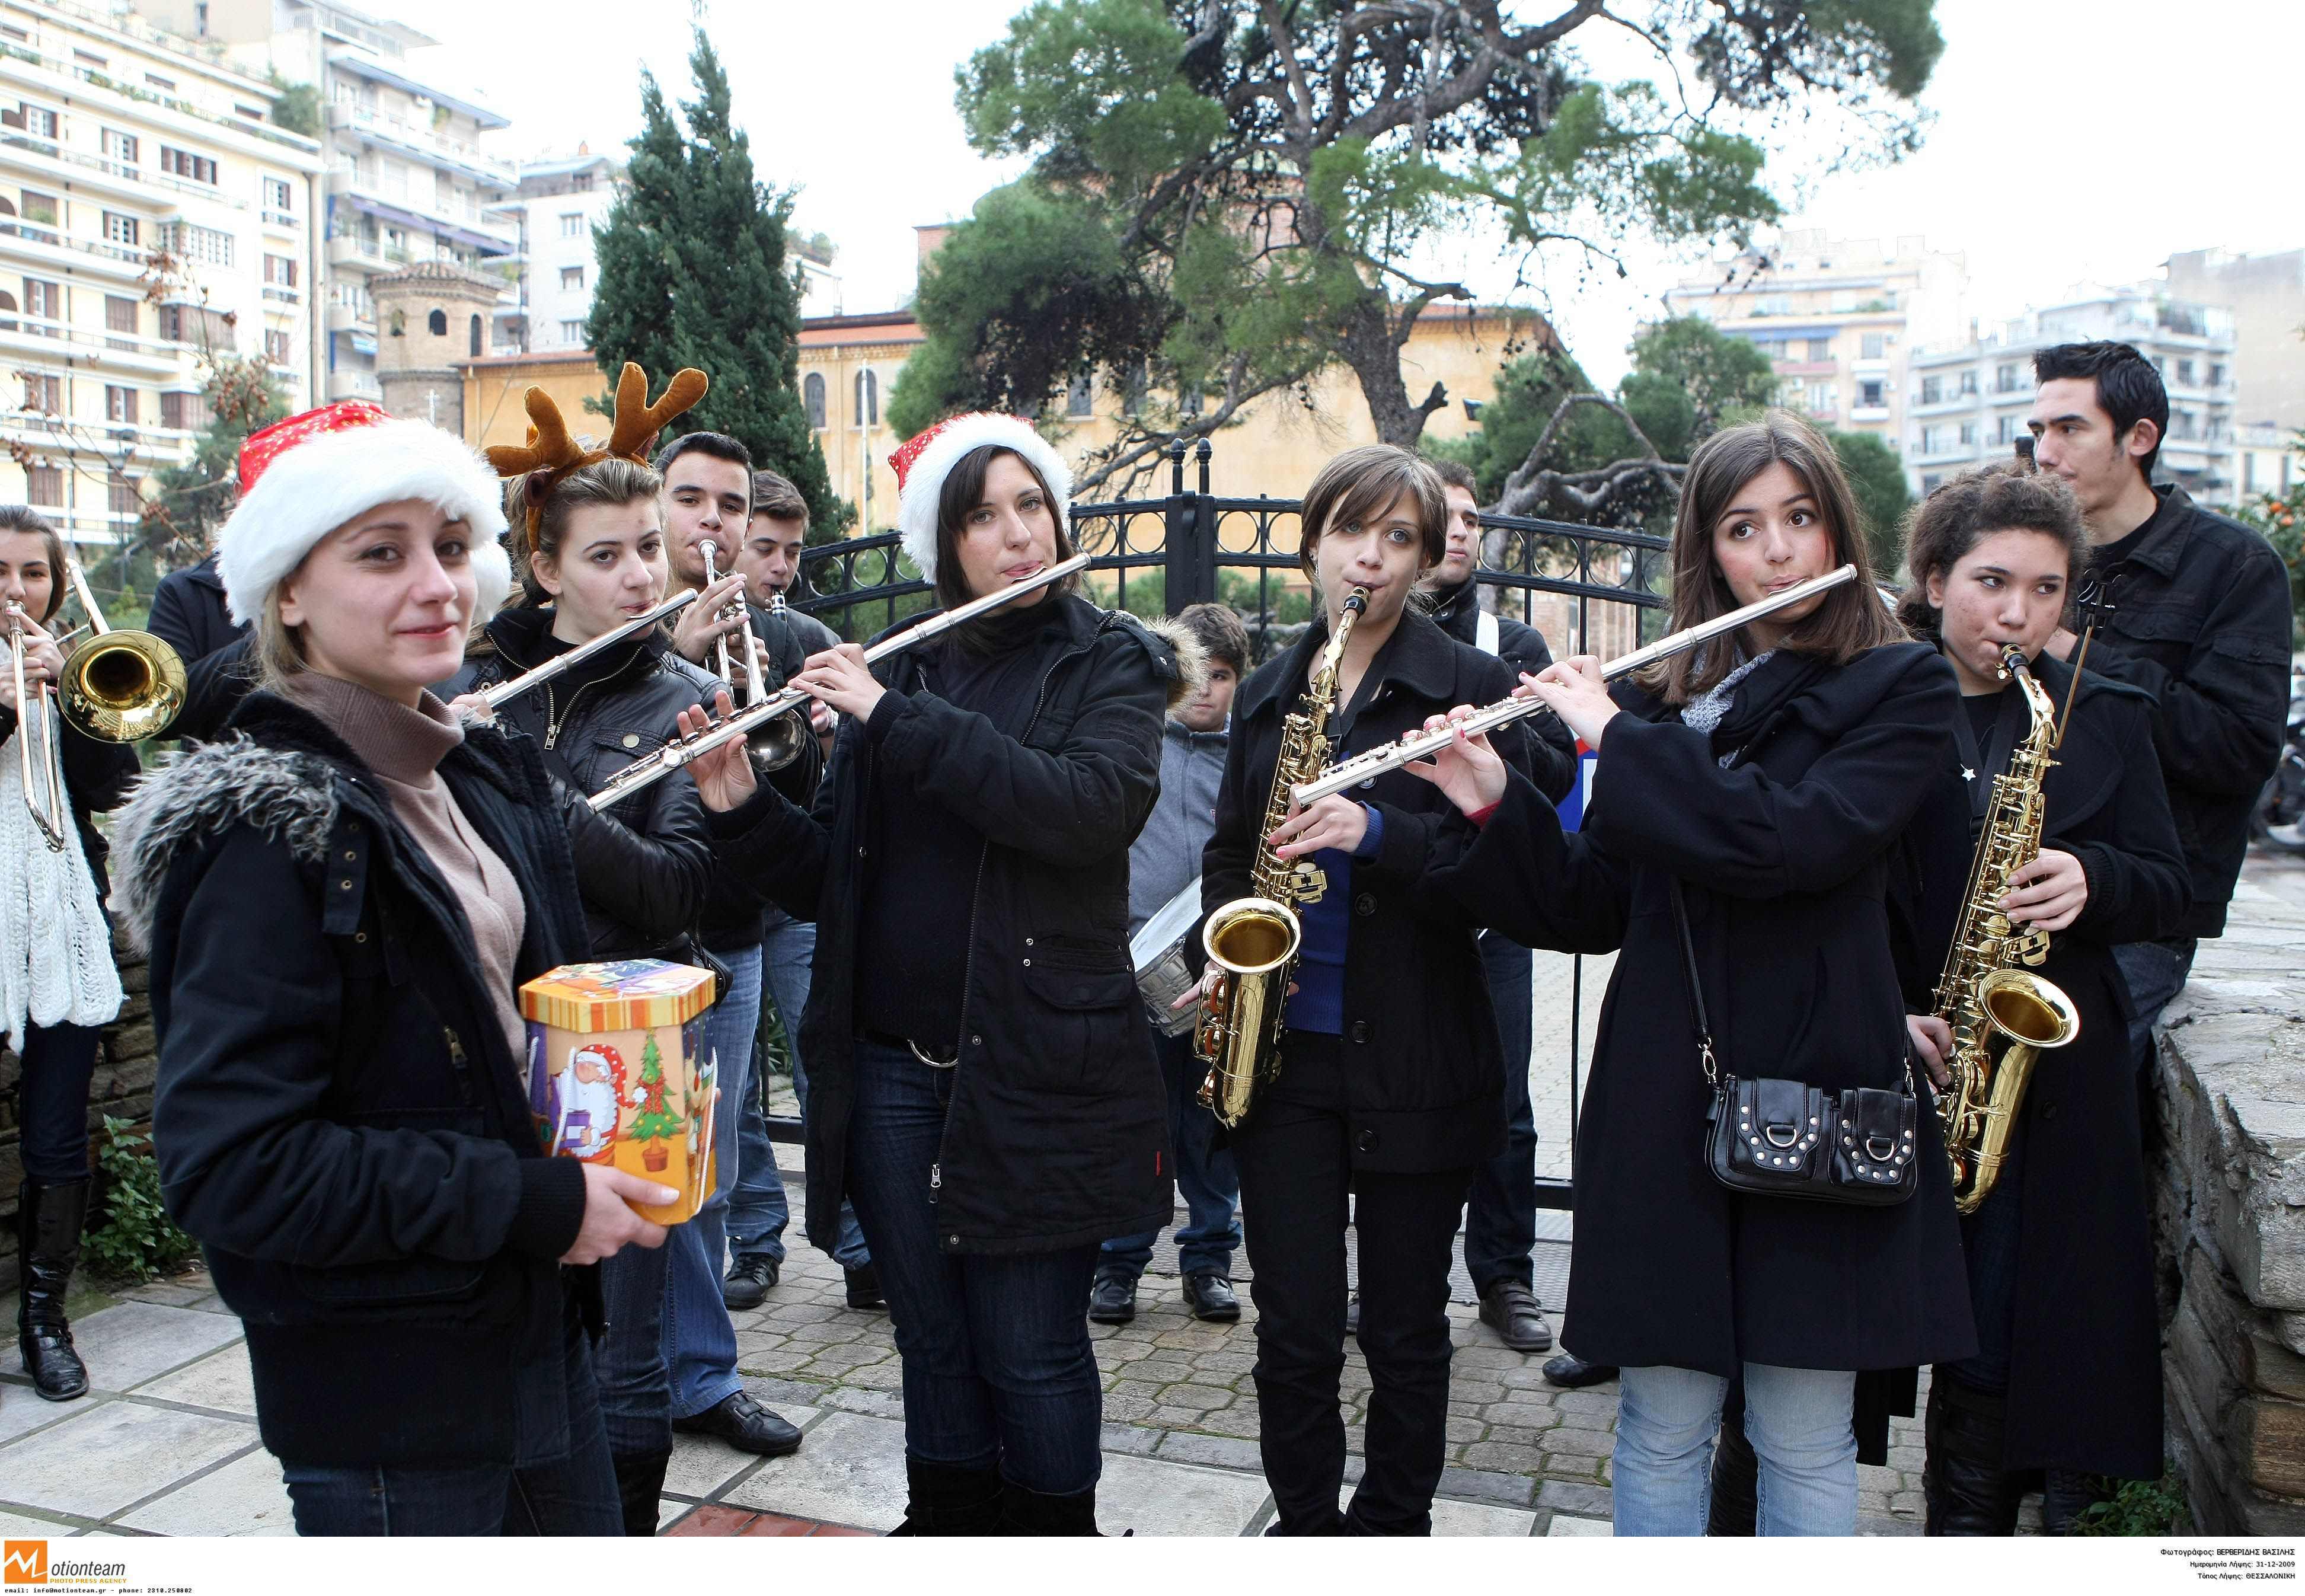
(340,901)
(982,1085)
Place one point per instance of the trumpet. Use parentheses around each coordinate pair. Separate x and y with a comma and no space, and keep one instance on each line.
(516,685)
(32,723)
(1424,745)
(779,739)
(744,722)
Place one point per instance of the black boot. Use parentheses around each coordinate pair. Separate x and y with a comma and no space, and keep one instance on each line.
(639,1488)
(2065,1496)
(1967,1490)
(1735,1472)
(946,1500)
(1035,1512)
(48,1220)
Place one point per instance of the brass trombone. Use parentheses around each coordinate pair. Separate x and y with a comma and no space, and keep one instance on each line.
(118,686)
(32,722)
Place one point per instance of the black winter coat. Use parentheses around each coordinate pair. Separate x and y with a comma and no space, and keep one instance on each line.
(190,616)
(642,863)
(2085,1382)
(2200,621)
(98,776)
(1422,1060)
(1057,1132)
(338,1118)
(1784,857)
(1552,746)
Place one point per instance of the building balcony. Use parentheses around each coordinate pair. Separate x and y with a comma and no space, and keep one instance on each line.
(1807,368)
(410,138)
(347,319)
(51,251)
(52,76)
(64,346)
(1943,454)
(354,385)
(1942,404)
(422,216)
(284,221)
(1869,412)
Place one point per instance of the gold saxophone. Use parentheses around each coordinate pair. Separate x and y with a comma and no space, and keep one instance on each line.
(1253,940)
(2001,1015)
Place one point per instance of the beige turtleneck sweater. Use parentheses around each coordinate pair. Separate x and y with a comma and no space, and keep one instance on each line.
(404,748)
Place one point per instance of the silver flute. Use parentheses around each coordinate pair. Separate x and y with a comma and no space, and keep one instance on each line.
(551,668)
(1424,745)
(680,751)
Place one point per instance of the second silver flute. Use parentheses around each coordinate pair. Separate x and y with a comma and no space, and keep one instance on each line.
(496,696)
(680,751)
(1424,745)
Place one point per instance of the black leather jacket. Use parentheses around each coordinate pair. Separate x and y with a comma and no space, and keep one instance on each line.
(642,865)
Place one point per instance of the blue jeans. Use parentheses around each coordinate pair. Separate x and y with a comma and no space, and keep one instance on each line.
(634,1381)
(1798,1420)
(562,1484)
(998,1369)
(2154,972)
(1205,1175)
(1501,1219)
(758,1208)
(700,1344)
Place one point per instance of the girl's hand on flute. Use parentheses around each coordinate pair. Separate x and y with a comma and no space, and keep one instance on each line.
(1469,773)
(1573,689)
(724,776)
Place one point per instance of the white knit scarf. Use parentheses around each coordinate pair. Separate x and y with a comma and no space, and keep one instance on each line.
(56,955)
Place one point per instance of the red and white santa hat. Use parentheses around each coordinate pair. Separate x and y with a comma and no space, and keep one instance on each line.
(301,478)
(923,465)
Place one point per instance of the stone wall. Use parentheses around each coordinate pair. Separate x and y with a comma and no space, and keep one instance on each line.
(2230,1213)
(125,1066)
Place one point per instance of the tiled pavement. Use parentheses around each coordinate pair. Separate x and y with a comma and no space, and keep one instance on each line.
(168,1444)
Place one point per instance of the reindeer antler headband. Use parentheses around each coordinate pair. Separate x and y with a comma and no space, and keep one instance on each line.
(550,454)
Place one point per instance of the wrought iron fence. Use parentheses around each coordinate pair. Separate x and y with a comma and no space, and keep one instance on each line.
(1592,590)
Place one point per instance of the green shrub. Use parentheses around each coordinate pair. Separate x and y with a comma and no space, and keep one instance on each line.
(131,1236)
(2140,1507)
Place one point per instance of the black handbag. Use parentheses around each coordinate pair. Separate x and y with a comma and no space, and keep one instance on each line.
(1777,1137)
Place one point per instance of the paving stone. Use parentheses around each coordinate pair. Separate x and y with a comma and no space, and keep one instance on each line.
(1882,1524)
(850,1469)
(858,1399)
(1564,1523)
(129,1343)
(1198,1397)
(1583,1501)
(1154,1497)
(1215,1451)
(21,1525)
(23,1410)
(1519,1415)
(222,1380)
(246,1496)
(1461,1431)
(1601,1400)
(1565,1442)
(1128,1438)
(702,1464)
(1128,1410)
(1455,1519)
(1481,1485)
(113,1453)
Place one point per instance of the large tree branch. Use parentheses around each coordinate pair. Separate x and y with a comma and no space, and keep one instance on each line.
(1128,453)
(1593,492)
(1284,46)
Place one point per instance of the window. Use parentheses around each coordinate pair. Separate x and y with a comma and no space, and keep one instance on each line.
(36,120)
(1080,395)
(472,339)
(121,497)
(2185,373)
(572,223)
(89,58)
(119,404)
(1820,349)
(572,334)
(1870,395)
(156,79)
(1876,345)
(192,324)
(119,229)
(253,112)
(1968,434)
(811,393)
(572,279)
(868,397)
(39,208)
(183,163)
(7,302)
(1931,483)
(119,315)
(45,485)
(581,183)
(1968,382)
(1932,390)
(2004,431)
(119,152)
(208,246)
(437,323)
(45,394)
(279,199)
(2216,375)
(186,412)
(279,346)
(45,300)
(281,270)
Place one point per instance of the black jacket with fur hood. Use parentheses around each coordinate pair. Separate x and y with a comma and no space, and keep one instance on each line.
(338,1118)
(1057,1129)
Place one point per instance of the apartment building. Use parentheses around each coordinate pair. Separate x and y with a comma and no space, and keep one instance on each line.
(2266,296)
(1836,316)
(407,179)
(150,214)
(1968,401)
(556,205)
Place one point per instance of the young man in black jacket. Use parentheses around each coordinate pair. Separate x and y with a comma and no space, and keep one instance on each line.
(1501,1221)
(2199,619)
(188,614)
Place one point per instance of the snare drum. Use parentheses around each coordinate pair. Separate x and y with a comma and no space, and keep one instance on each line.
(1165,969)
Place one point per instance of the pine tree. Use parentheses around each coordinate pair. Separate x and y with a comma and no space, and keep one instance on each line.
(654,1122)
(692,273)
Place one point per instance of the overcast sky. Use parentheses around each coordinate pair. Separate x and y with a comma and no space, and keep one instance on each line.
(2071,141)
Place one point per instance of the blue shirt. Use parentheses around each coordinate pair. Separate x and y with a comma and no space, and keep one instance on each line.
(1319,1004)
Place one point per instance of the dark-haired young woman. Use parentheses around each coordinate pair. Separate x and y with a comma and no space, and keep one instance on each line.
(982,1077)
(595,558)
(2067,1375)
(1772,777)
(1391,1092)
(58,987)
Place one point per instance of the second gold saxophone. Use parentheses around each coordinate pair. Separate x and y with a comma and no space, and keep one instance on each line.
(2002,1016)
(1254,940)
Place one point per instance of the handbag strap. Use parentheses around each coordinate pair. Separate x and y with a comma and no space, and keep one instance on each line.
(1703,1026)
